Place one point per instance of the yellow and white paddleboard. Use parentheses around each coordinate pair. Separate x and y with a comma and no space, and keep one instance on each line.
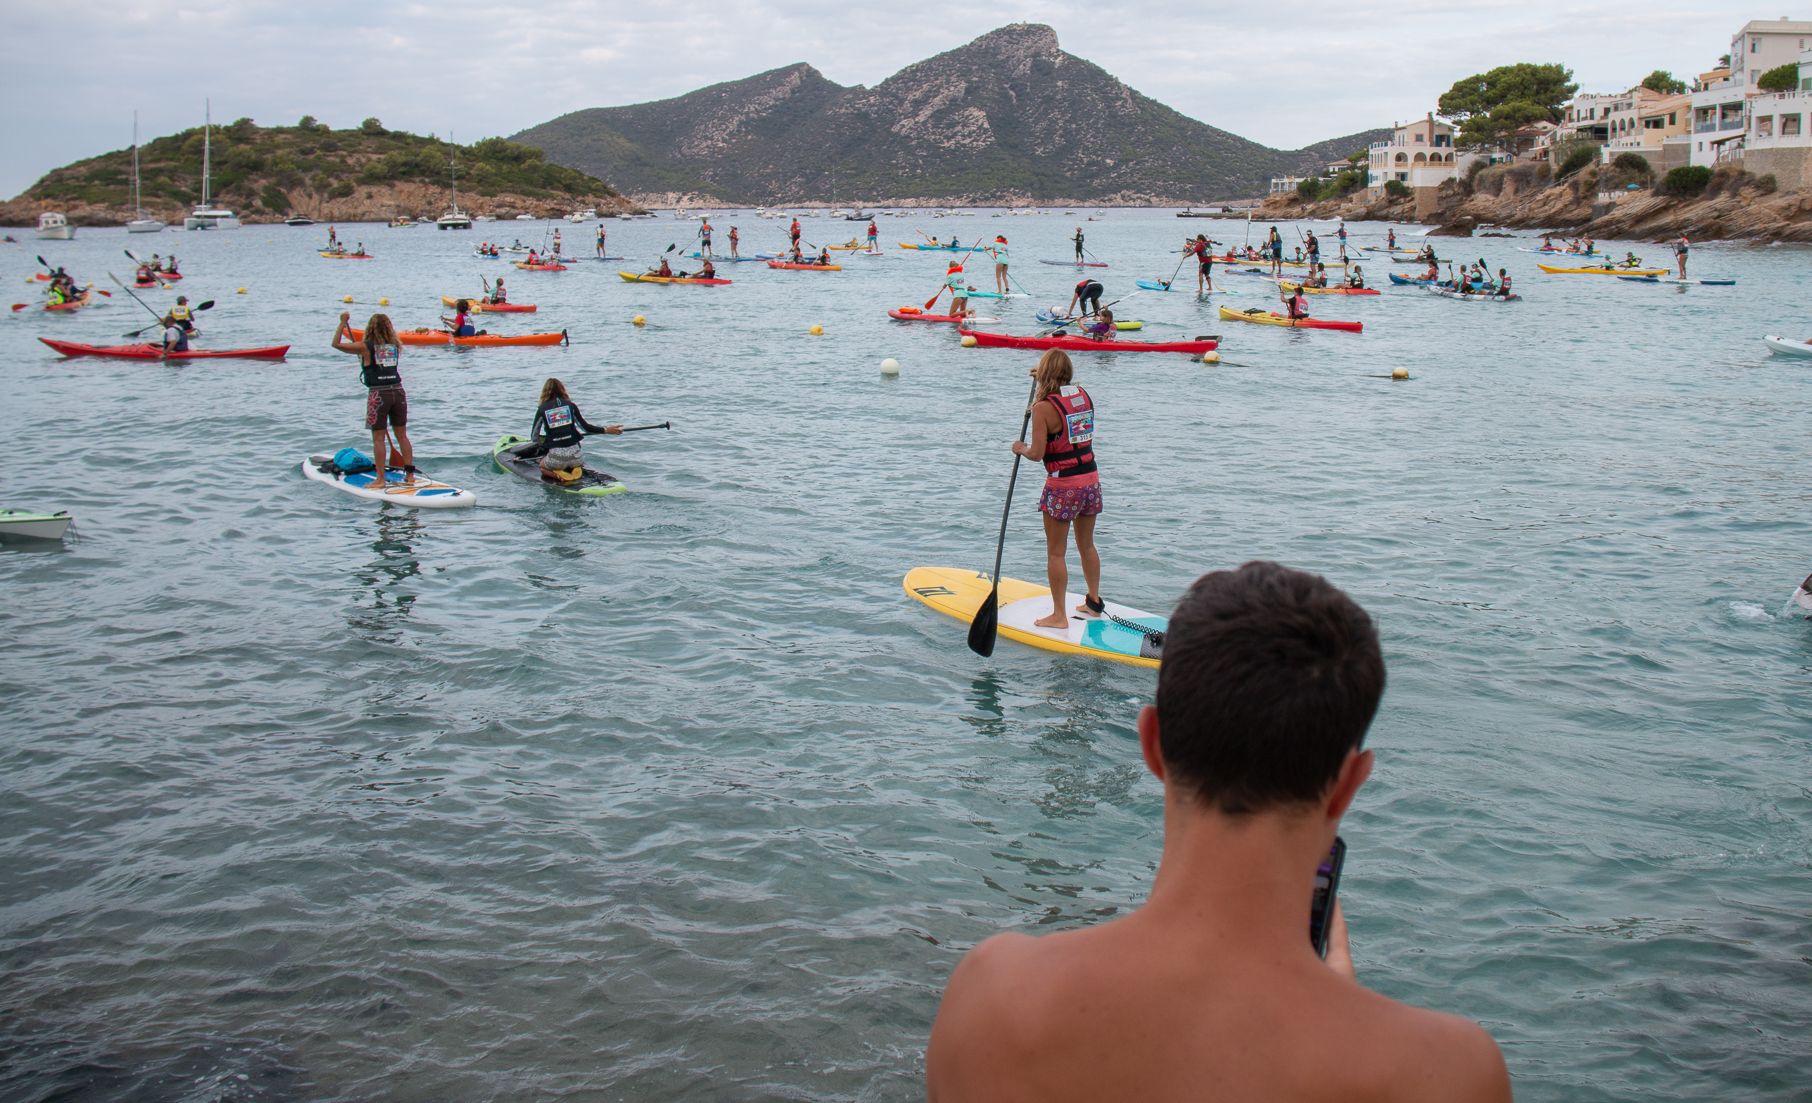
(957,592)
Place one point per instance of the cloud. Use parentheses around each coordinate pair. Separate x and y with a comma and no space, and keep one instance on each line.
(474,68)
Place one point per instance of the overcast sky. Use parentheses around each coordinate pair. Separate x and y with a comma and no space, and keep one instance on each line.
(1285,74)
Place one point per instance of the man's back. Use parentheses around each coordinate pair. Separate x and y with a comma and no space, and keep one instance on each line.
(1131,1010)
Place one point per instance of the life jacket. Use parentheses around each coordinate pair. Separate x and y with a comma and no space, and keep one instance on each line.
(1082,287)
(180,313)
(562,429)
(462,326)
(382,371)
(1298,308)
(1070,451)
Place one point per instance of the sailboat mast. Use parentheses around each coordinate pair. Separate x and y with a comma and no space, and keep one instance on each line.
(138,202)
(207,138)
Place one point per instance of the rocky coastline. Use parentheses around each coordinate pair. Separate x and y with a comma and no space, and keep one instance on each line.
(1736,206)
(369,203)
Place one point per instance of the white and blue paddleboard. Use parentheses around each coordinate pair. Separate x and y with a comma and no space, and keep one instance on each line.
(423,493)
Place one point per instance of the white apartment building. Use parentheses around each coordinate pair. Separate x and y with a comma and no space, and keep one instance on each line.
(1778,139)
(1418,155)
(1765,44)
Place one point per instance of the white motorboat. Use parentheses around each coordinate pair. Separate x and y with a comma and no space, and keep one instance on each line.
(36,526)
(206,216)
(298,220)
(141,224)
(52,226)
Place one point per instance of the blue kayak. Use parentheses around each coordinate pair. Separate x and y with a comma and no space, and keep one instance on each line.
(1658,279)
(1405,281)
(1153,285)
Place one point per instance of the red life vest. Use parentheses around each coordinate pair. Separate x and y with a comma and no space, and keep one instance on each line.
(1070,451)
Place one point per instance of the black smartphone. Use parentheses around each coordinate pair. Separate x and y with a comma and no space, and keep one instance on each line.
(1327,882)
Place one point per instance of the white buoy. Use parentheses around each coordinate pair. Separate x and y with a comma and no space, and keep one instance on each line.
(1399,373)
(1211,357)
(890,366)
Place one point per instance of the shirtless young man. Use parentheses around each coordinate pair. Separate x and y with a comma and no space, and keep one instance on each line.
(1212,989)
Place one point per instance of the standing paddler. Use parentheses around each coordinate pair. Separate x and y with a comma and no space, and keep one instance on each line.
(1078,240)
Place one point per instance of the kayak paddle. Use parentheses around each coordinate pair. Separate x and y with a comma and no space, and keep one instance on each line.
(136,299)
(639,428)
(986,624)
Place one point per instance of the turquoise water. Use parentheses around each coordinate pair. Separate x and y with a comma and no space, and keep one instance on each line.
(675,795)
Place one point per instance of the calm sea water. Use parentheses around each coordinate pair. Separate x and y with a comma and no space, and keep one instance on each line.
(674,795)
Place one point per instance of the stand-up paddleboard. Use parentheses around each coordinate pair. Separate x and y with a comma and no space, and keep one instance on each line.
(424,493)
(1802,597)
(592,484)
(1125,635)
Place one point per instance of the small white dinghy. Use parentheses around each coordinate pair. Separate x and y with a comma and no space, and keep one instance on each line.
(35,526)
(1787,346)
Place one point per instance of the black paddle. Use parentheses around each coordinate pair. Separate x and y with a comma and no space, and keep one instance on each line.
(986,624)
(207,305)
(136,299)
(639,428)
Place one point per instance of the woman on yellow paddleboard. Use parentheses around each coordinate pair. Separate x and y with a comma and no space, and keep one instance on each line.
(1062,437)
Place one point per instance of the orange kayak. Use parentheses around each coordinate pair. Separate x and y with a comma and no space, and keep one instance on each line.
(805,267)
(483,340)
(479,306)
(527,267)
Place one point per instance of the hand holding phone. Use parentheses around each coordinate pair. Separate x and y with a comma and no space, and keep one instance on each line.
(1321,908)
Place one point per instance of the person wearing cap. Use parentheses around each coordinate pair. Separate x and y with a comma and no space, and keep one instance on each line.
(959,291)
(183,317)
(999,251)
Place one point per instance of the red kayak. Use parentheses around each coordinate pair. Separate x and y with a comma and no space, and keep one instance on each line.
(169,275)
(527,267)
(156,352)
(914,314)
(805,267)
(73,304)
(1070,343)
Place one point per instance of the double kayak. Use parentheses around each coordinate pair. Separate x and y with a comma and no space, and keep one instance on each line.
(1267,318)
(638,277)
(1602,271)
(1560,252)
(805,267)
(1088,344)
(423,493)
(481,340)
(914,314)
(156,352)
(1480,297)
(591,482)
(1787,346)
(1406,281)
(527,267)
(346,256)
(934,248)
(1287,286)
(479,306)
(72,304)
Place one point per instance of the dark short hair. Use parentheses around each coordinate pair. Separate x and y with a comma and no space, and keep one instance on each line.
(1270,676)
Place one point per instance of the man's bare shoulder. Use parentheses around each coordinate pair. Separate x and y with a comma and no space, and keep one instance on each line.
(1441,1057)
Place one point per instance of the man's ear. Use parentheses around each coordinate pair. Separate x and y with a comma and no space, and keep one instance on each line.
(1148,741)
(1352,775)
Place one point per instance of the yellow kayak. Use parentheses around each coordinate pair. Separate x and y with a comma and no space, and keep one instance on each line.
(1602,271)
(479,306)
(1271,318)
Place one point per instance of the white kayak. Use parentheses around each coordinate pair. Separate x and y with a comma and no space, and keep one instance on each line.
(37,526)
(1787,346)
(1802,597)
(423,493)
